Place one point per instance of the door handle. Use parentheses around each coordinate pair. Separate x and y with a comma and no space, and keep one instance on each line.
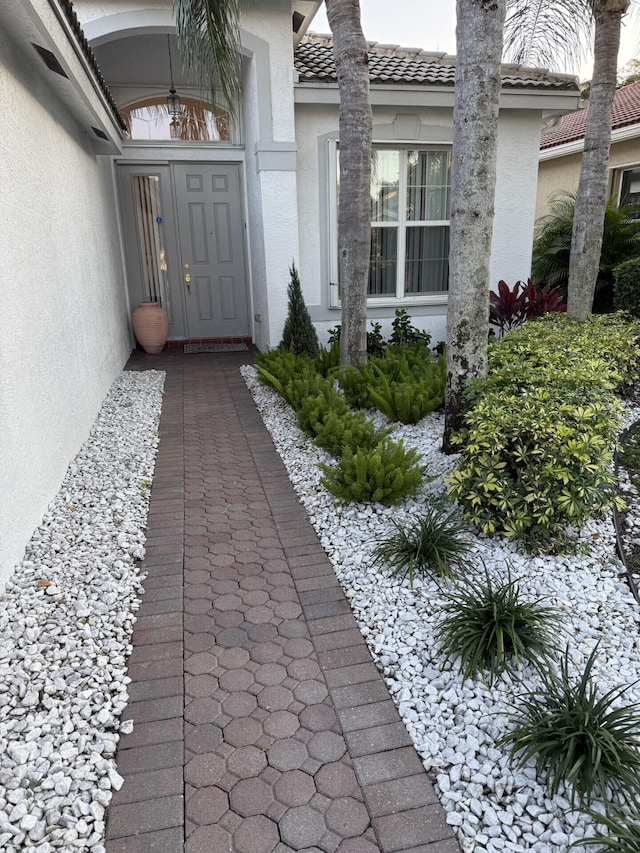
(187,279)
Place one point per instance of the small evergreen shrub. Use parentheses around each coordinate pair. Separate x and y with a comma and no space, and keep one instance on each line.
(383,474)
(327,360)
(488,625)
(410,400)
(626,287)
(434,543)
(299,334)
(278,367)
(352,430)
(578,737)
(308,383)
(406,383)
(314,409)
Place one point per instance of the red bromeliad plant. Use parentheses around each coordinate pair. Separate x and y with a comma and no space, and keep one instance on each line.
(510,307)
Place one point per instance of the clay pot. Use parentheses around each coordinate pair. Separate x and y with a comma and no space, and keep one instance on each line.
(151,326)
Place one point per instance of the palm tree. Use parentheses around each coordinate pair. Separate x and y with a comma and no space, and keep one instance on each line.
(208,34)
(355,128)
(552,245)
(479,34)
(535,31)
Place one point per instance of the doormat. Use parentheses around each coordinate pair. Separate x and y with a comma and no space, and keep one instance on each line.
(190,349)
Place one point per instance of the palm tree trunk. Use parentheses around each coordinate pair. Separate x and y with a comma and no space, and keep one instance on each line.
(479,35)
(354,210)
(591,198)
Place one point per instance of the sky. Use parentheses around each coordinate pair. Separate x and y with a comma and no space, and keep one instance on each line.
(430,24)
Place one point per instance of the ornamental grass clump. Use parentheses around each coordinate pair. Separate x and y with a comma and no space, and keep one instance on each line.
(577,736)
(489,626)
(383,474)
(434,544)
(622,822)
(353,430)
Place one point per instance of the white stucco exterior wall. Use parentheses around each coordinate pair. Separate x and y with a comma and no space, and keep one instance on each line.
(62,298)
(518,140)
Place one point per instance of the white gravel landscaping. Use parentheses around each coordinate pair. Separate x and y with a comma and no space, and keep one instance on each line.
(66,619)
(454,725)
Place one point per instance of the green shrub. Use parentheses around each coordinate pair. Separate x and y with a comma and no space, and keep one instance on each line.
(327,360)
(352,430)
(488,625)
(402,332)
(278,367)
(406,383)
(537,443)
(626,287)
(316,408)
(410,400)
(552,245)
(299,334)
(383,474)
(309,383)
(578,737)
(433,544)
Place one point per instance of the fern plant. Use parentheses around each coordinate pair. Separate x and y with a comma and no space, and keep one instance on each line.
(348,430)
(383,474)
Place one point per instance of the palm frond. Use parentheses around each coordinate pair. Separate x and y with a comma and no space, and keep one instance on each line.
(208,34)
(555,34)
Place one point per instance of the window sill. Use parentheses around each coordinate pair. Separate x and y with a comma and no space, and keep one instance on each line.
(421,301)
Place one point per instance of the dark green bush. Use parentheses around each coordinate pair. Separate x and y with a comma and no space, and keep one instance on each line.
(383,474)
(402,332)
(407,382)
(489,625)
(411,400)
(578,737)
(315,408)
(327,360)
(352,430)
(552,245)
(434,543)
(537,445)
(278,367)
(626,287)
(299,334)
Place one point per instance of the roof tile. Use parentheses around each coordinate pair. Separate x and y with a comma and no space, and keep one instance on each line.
(411,65)
(625,111)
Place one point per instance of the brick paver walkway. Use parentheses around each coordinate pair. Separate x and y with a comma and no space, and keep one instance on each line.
(261,723)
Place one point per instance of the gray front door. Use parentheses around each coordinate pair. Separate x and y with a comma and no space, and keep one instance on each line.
(211,246)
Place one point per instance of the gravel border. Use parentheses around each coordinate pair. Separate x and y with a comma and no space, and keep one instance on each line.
(454,725)
(66,619)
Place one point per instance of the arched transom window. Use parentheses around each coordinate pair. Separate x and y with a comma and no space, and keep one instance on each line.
(198,121)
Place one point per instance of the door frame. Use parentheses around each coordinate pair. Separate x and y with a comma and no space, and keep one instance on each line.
(129,165)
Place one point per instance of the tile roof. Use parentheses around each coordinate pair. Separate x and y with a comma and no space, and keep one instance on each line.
(314,62)
(626,111)
(69,12)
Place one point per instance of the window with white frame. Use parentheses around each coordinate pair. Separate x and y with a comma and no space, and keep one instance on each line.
(630,187)
(410,194)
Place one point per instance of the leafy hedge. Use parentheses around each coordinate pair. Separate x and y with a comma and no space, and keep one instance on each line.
(536,450)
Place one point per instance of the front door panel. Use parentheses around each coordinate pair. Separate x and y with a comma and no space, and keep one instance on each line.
(211,250)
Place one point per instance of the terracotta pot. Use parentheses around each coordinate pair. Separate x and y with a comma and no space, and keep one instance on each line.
(151,326)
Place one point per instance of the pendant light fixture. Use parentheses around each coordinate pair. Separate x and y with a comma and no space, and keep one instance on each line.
(173,99)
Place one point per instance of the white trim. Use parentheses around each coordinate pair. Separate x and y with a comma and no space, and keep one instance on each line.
(401,224)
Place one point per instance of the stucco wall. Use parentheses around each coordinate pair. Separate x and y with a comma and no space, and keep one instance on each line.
(515,202)
(563,173)
(62,301)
